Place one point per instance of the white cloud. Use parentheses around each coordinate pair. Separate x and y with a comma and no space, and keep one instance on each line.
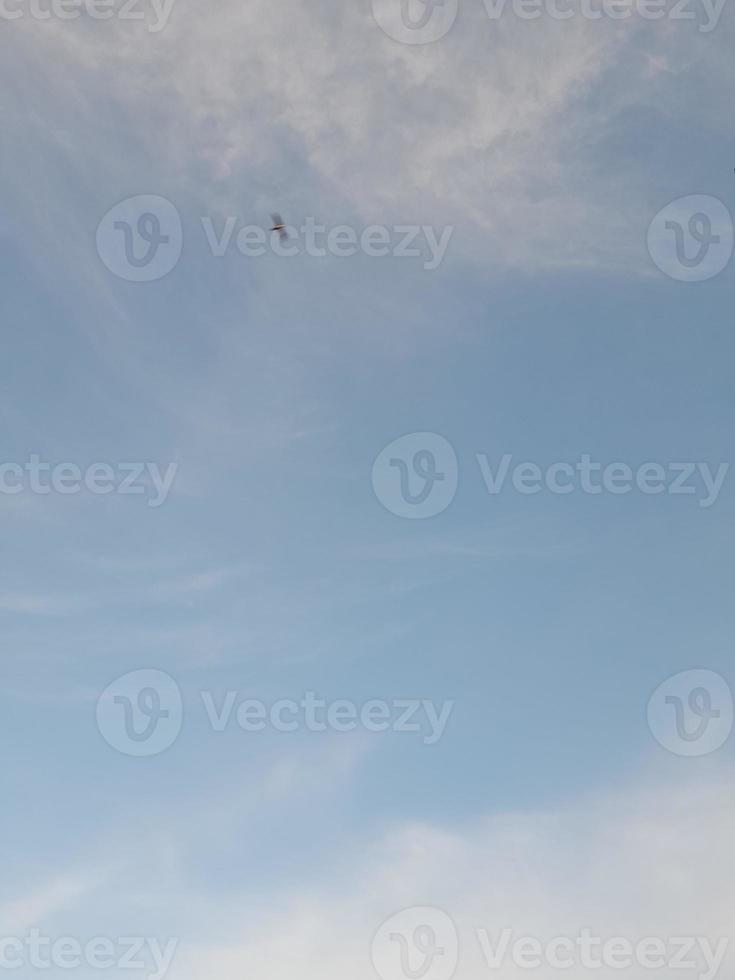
(655,861)
(651,859)
(502,128)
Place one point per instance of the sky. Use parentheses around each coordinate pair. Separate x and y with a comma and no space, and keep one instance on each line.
(361,603)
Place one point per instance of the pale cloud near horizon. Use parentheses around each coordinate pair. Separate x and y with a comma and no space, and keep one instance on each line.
(650,858)
(653,860)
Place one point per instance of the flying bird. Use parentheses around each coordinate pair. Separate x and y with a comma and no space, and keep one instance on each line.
(279,226)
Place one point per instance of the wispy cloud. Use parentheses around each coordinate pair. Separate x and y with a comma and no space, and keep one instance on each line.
(30,604)
(494,127)
(59,893)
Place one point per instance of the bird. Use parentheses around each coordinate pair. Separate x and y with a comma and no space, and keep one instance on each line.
(279,226)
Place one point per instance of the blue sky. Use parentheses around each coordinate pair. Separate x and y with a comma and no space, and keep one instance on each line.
(273,568)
